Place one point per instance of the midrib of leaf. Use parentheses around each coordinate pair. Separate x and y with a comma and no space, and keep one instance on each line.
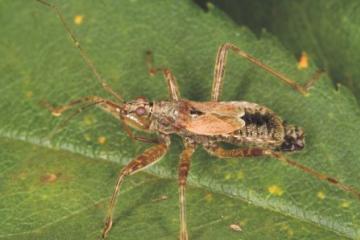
(162,173)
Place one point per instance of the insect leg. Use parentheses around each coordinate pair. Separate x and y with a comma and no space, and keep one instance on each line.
(237,152)
(147,158)
(219,71)
(83,53)
(248,152)
(316,174)
(184,167)
(173,87)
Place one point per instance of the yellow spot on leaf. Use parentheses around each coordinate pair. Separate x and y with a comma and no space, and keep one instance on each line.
(87,137)
(78,19)
(88,120)
(275,190)
(345,204)
(29,94)
(101,140)
(303,62)
(44,197)
(286,228)
(208,197)
(227,176)
(240,175)
(321,195)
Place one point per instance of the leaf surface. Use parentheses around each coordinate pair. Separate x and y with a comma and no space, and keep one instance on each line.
(59,187)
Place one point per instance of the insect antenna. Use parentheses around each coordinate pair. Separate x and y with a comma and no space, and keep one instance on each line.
(83,53)
(317,174)
(64,122)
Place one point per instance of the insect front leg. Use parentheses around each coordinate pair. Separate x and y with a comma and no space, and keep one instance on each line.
(184,167)
(149,157)
(219,71)
(253,152)
(173,87)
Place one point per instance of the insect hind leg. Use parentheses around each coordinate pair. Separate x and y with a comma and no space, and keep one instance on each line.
(253,152)
(333,181)
(184,167)
(219,71)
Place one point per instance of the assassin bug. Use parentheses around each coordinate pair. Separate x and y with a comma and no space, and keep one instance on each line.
(252,129)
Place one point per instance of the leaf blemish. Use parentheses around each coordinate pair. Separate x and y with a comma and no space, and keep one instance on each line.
(161,198)
(29,94)
(321,195)
(209,197)
(286,228)
(235,227)
(88,120)
(345,204)
(303,62)
(275,190)
(78,19)
(101,140)
(240,175)
(49,178)
(227,176)
(87,137)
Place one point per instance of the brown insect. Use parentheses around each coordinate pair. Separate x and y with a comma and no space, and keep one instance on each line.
(254,130)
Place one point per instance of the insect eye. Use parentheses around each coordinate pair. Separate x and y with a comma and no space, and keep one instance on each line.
(140,111)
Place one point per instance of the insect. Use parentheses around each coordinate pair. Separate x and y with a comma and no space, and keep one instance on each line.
(252,129)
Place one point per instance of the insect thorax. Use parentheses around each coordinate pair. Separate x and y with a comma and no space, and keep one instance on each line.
(164,117)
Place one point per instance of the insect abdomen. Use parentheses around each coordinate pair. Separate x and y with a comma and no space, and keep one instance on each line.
(261,127)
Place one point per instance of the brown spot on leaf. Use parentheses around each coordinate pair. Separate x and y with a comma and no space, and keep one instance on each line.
(49,177)
(303,62)
(161,198)
(102,140)
(235,227)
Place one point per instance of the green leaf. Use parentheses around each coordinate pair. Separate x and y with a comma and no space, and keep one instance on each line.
(328,30)
(58,188)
